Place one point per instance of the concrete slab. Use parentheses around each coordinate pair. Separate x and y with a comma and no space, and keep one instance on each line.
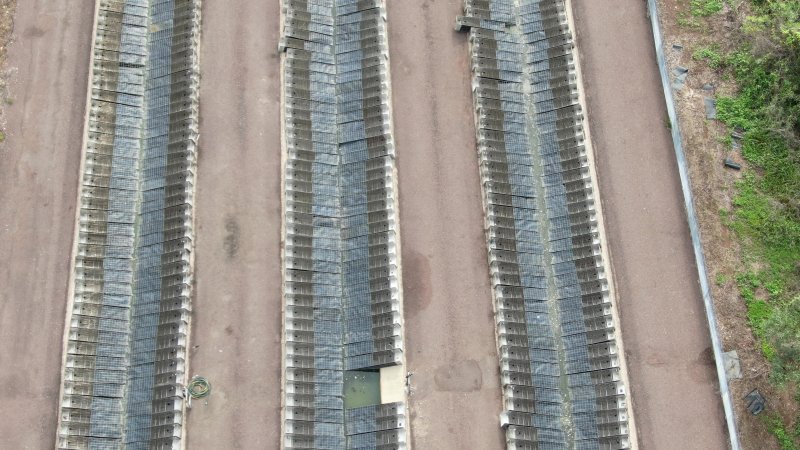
(393,379)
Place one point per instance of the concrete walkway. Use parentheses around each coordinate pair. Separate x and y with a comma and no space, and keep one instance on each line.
(451,350)
(237,307)
(49,62)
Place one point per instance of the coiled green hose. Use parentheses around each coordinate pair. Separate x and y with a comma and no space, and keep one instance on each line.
(199,387)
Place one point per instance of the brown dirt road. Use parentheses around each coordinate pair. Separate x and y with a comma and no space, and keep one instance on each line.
(39,161)
(450,339)
(236,324)
(674,387)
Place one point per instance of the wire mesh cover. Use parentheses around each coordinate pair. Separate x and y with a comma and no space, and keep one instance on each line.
(522,90)
(372,425)
(341,214)
(127,225)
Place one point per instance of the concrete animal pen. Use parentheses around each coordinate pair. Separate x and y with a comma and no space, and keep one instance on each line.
(125,357)
(342,304)
(559,353)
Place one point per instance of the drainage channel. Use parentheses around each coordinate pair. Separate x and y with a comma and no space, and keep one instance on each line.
(343,346)
(560,358)
(124,369)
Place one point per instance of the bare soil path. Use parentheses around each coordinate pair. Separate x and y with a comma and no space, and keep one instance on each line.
(237,307)
(39,161)
(674,388)
(451,350)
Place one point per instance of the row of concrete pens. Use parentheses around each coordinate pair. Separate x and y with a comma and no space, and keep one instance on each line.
(125,361)
(559,355)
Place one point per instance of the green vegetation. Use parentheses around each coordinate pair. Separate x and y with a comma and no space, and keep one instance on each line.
(699,9)
(711,54)
(766,208)
(786,439)
(689,22)
(766,213)
(705,8)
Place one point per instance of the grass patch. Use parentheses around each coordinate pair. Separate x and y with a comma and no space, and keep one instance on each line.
(766,209)
(687,21)
(711,55)
(770,236)
(786,439)
(705,8)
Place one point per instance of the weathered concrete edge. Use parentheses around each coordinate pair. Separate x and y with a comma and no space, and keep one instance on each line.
(284,161)
(187,399)
(686,187)
(282,246)
(403,390)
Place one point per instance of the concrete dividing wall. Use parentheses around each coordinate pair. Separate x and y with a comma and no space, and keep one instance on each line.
(125,362)
(342,302)
(560,363)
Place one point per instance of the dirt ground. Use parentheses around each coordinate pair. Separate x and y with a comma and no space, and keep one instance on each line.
(450,335)
(713,186)
(7,10)
(46,73)
(236,324)
(450,338)
(675,396)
